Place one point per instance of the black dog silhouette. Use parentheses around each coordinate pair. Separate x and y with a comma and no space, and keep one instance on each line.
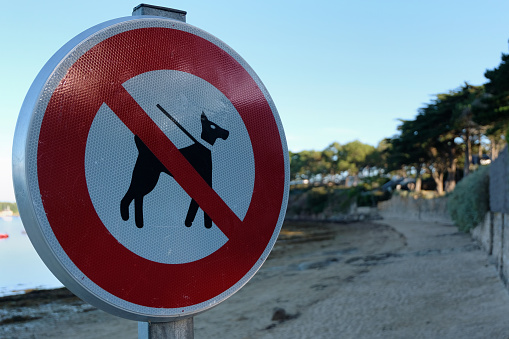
(148,168)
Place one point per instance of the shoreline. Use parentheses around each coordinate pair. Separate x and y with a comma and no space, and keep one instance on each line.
(299,250)
(38,295)
(386,279)
(27,291)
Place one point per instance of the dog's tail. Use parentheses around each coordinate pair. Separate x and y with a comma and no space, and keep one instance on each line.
(142,148)
(146,156)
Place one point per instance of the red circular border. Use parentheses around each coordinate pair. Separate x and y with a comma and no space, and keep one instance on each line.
(61,168)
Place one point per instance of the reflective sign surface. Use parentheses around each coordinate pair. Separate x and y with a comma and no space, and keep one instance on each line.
(151,168)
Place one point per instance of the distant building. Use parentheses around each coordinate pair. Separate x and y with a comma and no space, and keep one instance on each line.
(6,213)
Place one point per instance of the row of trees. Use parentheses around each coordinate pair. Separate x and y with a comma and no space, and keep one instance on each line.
(350,159)
(446,134)
(454,126)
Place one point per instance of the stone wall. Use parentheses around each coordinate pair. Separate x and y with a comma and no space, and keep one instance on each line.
(499,183)
(415,208)
(493,233)
(493,237)
(353,214)
(483,234)
(326,205)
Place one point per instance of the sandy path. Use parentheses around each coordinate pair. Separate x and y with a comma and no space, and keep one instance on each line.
(439,286)
(392,279)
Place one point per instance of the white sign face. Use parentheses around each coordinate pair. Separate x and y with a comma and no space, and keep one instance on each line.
(150,168)
(111,155)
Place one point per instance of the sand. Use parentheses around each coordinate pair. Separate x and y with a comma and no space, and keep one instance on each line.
(385,279)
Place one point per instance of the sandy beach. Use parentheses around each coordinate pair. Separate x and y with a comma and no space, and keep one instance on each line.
(385,279)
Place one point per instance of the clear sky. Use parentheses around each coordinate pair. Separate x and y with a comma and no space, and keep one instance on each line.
(336,70)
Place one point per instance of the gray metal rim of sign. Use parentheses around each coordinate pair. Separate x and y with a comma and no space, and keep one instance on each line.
(26,187)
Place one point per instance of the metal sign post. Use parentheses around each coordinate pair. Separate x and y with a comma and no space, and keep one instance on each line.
(151,169)
(182,328)
(175,14)
(178,329)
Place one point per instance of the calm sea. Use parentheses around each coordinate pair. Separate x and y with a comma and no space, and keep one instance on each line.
(20,265)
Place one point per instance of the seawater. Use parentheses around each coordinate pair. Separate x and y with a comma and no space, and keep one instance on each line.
(21,268)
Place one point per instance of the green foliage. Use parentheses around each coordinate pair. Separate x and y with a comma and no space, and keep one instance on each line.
(368,194)
(469,202)
(441,136)
(494,110)
(445,134)
(308,163)
(318,200)
(335,158)
(354,156)
(374,182)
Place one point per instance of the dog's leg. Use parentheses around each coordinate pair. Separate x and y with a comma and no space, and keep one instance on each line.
(191,213)
(124,204)
(207,220)
(138,211)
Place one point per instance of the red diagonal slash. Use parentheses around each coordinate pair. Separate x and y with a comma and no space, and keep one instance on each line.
(138,121)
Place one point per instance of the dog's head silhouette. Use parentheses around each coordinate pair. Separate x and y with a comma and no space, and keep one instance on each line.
(210,131)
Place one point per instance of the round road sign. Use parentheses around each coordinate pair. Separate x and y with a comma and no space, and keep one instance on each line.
(150,168)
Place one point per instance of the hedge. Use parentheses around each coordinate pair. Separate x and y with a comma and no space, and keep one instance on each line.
(469,202)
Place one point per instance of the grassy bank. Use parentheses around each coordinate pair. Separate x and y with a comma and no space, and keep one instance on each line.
(329,201)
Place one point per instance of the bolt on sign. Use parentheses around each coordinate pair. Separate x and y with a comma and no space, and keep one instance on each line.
(150,168)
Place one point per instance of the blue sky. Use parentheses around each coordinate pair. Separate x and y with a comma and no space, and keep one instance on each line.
(336,70)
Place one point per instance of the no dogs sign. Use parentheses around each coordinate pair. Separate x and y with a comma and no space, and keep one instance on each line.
(150,168)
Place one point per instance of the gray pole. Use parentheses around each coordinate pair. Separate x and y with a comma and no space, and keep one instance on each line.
(180,328)
(175,14)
